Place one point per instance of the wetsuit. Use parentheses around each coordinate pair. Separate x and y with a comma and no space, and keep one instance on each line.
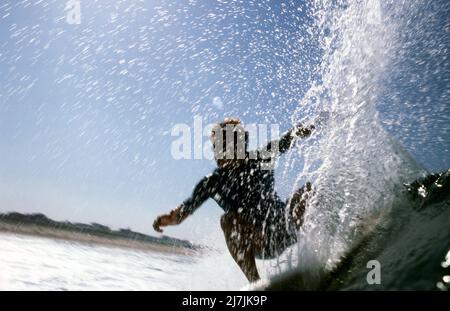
(249,189)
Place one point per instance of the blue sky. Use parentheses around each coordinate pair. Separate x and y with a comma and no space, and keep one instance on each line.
(86,110)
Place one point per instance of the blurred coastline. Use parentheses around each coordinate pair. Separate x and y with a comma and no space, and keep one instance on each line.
(40,225)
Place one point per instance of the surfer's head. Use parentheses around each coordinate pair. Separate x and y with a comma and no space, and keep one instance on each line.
(230,141)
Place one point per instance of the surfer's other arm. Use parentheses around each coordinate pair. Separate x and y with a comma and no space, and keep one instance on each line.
(202,191)
(285,142)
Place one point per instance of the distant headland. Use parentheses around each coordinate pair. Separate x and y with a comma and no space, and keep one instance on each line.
(93,233)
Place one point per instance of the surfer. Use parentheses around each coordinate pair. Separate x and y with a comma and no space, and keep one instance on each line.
(256,222)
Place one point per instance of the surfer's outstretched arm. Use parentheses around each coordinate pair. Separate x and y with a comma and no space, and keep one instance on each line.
(285,142)
(202,191)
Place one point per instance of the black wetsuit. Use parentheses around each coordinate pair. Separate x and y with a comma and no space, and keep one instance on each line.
(249,189)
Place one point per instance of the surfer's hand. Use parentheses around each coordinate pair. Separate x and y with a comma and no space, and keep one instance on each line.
(165,220)
(303,131)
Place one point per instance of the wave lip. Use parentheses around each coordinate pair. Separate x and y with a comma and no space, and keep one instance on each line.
(356,167)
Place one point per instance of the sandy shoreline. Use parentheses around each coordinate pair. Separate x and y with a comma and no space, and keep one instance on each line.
(89,239)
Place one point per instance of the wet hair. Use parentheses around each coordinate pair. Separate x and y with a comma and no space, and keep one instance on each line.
(239,132)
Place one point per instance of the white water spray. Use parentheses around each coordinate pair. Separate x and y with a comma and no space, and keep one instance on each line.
(355,166)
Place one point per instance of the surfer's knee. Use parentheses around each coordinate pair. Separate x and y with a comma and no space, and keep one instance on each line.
(297,204)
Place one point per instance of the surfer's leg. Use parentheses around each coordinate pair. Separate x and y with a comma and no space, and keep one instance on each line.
(243,242)
(297,204)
